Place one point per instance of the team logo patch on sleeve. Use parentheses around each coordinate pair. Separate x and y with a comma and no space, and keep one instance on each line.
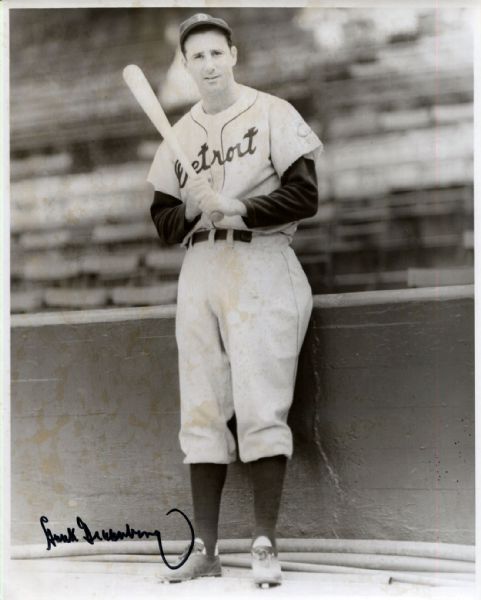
(303,130)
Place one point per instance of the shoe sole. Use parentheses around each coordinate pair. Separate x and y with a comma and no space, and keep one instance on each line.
(265,585)
(266,580)
(190,578)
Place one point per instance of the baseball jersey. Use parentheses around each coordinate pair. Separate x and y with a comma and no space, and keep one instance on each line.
(244,150)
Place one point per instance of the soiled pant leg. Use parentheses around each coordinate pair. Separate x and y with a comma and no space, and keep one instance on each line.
(267,305)
(204,373)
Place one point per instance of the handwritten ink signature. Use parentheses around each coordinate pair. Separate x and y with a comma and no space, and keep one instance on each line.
(113,536)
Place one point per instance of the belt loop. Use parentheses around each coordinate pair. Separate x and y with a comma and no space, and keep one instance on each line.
(211,238)
(230,238)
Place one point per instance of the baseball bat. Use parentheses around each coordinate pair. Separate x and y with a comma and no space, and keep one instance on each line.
(144,94)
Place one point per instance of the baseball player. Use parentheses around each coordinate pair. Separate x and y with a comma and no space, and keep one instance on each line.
(244,301)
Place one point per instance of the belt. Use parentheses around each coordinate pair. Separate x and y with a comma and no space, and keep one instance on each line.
(238,235)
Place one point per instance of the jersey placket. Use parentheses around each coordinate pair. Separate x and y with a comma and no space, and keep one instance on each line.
(215,158)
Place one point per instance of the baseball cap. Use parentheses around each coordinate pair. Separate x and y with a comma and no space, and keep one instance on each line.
(201,20)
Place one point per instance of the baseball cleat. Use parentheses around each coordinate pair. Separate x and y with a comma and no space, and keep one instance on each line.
(266,568)
(199,564)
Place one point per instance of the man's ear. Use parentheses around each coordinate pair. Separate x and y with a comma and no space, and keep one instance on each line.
(233,53)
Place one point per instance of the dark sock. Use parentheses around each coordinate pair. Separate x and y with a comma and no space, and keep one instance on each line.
(267,476)
(207,481)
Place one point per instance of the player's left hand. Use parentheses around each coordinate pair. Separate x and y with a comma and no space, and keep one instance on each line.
(209,201)
(229,207)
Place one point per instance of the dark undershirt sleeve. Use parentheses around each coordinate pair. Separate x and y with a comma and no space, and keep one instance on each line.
(295,199)
(168,215)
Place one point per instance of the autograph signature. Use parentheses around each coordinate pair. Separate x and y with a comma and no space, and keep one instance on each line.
(112,536)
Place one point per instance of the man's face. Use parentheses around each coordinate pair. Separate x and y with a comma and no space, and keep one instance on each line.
(210,61)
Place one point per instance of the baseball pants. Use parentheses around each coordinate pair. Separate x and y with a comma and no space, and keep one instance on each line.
(242,314)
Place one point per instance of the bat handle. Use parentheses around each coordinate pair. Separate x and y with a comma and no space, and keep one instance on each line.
(216,216)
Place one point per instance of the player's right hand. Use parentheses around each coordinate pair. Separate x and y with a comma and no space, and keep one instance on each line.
(192,208)
(196,192)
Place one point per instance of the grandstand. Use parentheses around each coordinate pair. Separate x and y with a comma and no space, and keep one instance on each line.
(393,107)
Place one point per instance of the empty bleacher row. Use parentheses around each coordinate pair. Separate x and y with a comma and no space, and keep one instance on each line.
(363,121)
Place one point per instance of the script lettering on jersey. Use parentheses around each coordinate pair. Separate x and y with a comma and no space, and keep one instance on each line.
(202,164)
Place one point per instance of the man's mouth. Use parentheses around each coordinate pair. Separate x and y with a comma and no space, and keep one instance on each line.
(213,78)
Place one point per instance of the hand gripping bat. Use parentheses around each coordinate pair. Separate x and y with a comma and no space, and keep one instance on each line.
(144,94)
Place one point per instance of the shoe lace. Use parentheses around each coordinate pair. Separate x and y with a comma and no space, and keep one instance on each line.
(262,552)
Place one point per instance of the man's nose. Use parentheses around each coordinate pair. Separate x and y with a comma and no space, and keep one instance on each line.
(208,64)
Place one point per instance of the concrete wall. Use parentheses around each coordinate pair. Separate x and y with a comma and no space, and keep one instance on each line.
(383,420)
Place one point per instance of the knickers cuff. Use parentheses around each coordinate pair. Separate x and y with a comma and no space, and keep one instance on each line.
(275,450)
(208,455)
